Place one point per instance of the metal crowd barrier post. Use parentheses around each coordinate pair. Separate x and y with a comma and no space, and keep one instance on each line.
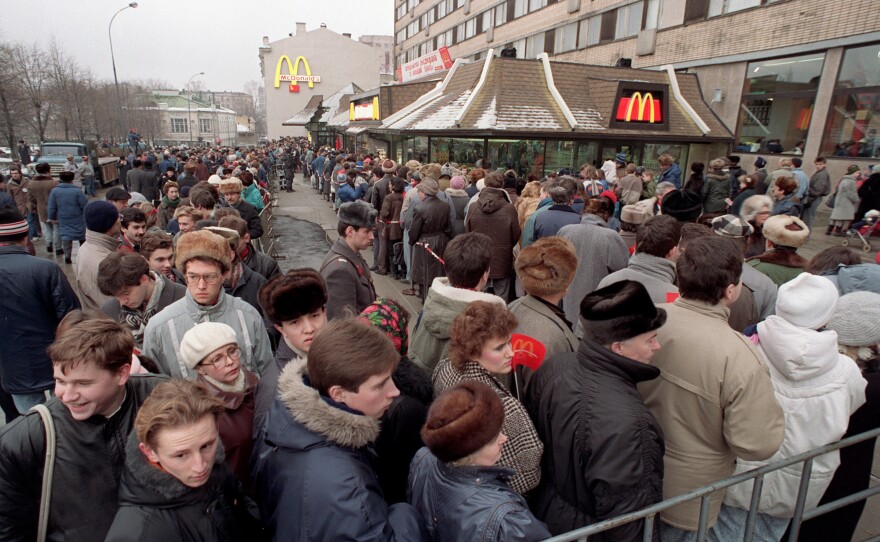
(648,514)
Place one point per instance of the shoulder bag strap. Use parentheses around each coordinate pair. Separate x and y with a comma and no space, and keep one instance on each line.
(48,470)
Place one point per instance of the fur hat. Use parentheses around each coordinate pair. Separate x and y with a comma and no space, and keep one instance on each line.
(754,205)
(202,244)
(447,171)
(807,301)
(786,231)
(760,162)
(462,420)
(215,179)
(430,171)
(389,166)
(287,297)
(619,312)
(633,214)
(428,187)
(232,184)
(358,214)
(731,226)
(682,205)
(230,235)
(13,226)
(204,338)
(100,216)
(413,164)
(857,319)
(547,266)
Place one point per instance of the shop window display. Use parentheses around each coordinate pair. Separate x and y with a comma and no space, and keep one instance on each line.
(854,116)
(525,157)
(570,154)
(459,150)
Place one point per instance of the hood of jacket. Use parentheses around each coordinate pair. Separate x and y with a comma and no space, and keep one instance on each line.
(720,176)
(145,485)
(319,422)
(444,302)
(492,199)
(798,354)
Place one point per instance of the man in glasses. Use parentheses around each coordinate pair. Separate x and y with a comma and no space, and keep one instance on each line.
(204,259)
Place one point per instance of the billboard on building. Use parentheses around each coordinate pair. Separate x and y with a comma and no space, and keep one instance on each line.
(433,62)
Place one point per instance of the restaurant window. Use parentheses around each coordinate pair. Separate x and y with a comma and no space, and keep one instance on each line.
(458,150)
(415,148)
(854,118)
(500,14)
(652,151)
(178,126)
(720,7)
(777,104)
(534,45)
(522,156)
(565,38)
(629,19)
(570,154)
(588,32)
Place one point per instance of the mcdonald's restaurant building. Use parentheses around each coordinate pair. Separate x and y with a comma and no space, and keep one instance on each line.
(537,116)
(311,64)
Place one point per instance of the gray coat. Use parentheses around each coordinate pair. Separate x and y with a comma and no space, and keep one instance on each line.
(600,250)
(538,321)
(89,257)
(145,183)
(847,199)
(656,274)
(348,279)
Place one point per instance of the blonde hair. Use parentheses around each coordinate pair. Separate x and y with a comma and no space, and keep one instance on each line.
(173,404)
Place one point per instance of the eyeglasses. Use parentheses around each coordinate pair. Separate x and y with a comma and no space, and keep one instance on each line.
(221,360)
(211,278)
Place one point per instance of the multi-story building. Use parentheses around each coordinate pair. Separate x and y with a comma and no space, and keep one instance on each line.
(184,118)
(798,77)
(385,44)
(240,102)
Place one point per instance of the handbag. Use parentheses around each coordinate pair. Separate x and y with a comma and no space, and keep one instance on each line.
(831,200)
(48,471)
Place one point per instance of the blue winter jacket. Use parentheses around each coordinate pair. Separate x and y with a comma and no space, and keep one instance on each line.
(34,297)
(470,503)
(671,175)
(67,204)
(347,193)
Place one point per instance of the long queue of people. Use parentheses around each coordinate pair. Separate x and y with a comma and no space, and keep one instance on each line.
(207,400)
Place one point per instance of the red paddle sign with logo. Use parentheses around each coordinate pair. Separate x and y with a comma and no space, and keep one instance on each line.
(527,351)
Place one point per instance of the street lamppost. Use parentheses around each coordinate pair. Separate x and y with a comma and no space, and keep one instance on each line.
(115,79)
(189,107)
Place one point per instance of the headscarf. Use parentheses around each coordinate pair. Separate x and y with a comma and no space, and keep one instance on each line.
(390,318)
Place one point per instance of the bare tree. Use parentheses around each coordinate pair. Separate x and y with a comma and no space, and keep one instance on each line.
(29,69)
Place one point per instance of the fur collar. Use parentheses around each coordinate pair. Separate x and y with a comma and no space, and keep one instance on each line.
(442,287)
(306,406)
(780,256)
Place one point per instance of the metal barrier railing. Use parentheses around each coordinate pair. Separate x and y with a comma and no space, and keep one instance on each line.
(648,515)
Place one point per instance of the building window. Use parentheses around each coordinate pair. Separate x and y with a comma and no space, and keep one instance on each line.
(534,45)
(778,104)
(522,156)
(652,14)
(500,14)
(535,5)
(565,38)
(204,125)
(520,8)
(441,10)
(570,154)
(695,10)
(629,20)
(485,21)
(401,11)
(461,150)
(720,7)
(590,30)
(178,126)
(854,118)
(470,28)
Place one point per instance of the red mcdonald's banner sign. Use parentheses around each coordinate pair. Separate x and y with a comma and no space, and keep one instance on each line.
(639,107)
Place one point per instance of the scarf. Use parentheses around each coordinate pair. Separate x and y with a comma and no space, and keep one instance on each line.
(173,203)
(235,387)
(136,319)
(386,315)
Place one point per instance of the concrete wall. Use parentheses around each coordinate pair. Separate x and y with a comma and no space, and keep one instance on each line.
(337,59)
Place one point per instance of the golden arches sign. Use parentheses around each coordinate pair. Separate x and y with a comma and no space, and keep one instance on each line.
(627,105)
(293,72)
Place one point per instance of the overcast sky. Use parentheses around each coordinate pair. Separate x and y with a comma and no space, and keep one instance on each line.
(171,40)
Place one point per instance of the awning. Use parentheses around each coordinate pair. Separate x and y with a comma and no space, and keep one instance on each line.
(355,130)
(305,115)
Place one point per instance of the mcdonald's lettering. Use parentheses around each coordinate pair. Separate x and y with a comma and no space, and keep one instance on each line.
(521,345)
(292,76)
(639,108)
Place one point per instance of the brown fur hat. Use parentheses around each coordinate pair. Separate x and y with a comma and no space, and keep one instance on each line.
(462,420)
(786,231)
(430,171)
(287,297)
(547,266)
(202,244)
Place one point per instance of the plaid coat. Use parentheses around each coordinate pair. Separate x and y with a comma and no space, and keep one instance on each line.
(523,449)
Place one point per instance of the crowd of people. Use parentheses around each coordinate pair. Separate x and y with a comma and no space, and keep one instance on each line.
(186,389)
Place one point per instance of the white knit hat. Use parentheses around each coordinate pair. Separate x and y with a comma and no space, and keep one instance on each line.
(857,319)
(203,339)
(807,301)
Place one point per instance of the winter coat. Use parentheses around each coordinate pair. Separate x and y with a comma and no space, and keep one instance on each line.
(656,274)
(248,287)
(89,257)
(763,289)
(154,505)
(458,199)
(171,292)
(779,264)
(431,226)
(600,251)
(380,191)
(34,296)
(736,206)
(869,193)
(250,215)
(67,204)
(539,321)
(165,330)
(494,216)
(348,280)
(604,454)
(630,189)
(819,187)
(399,435)
(712,408)
(528,231)
(20,193)
(549,222)
(312,470)
(144,182)
(818,389)
(261,263)
(348,193)
(165,214)
(429,342)
(252,195)
(847,199)
(716,189)
(523,449)
(672,174)
(267,387)
(38,192)
(771,179)
(788,205)
(470,502)
(390,216)
(90,456)
(525,206)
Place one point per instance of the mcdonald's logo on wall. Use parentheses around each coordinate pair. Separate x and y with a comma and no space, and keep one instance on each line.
(640,106)
(293,76)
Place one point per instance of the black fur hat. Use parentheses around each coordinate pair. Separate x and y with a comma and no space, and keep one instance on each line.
(289,296)
(619,312)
